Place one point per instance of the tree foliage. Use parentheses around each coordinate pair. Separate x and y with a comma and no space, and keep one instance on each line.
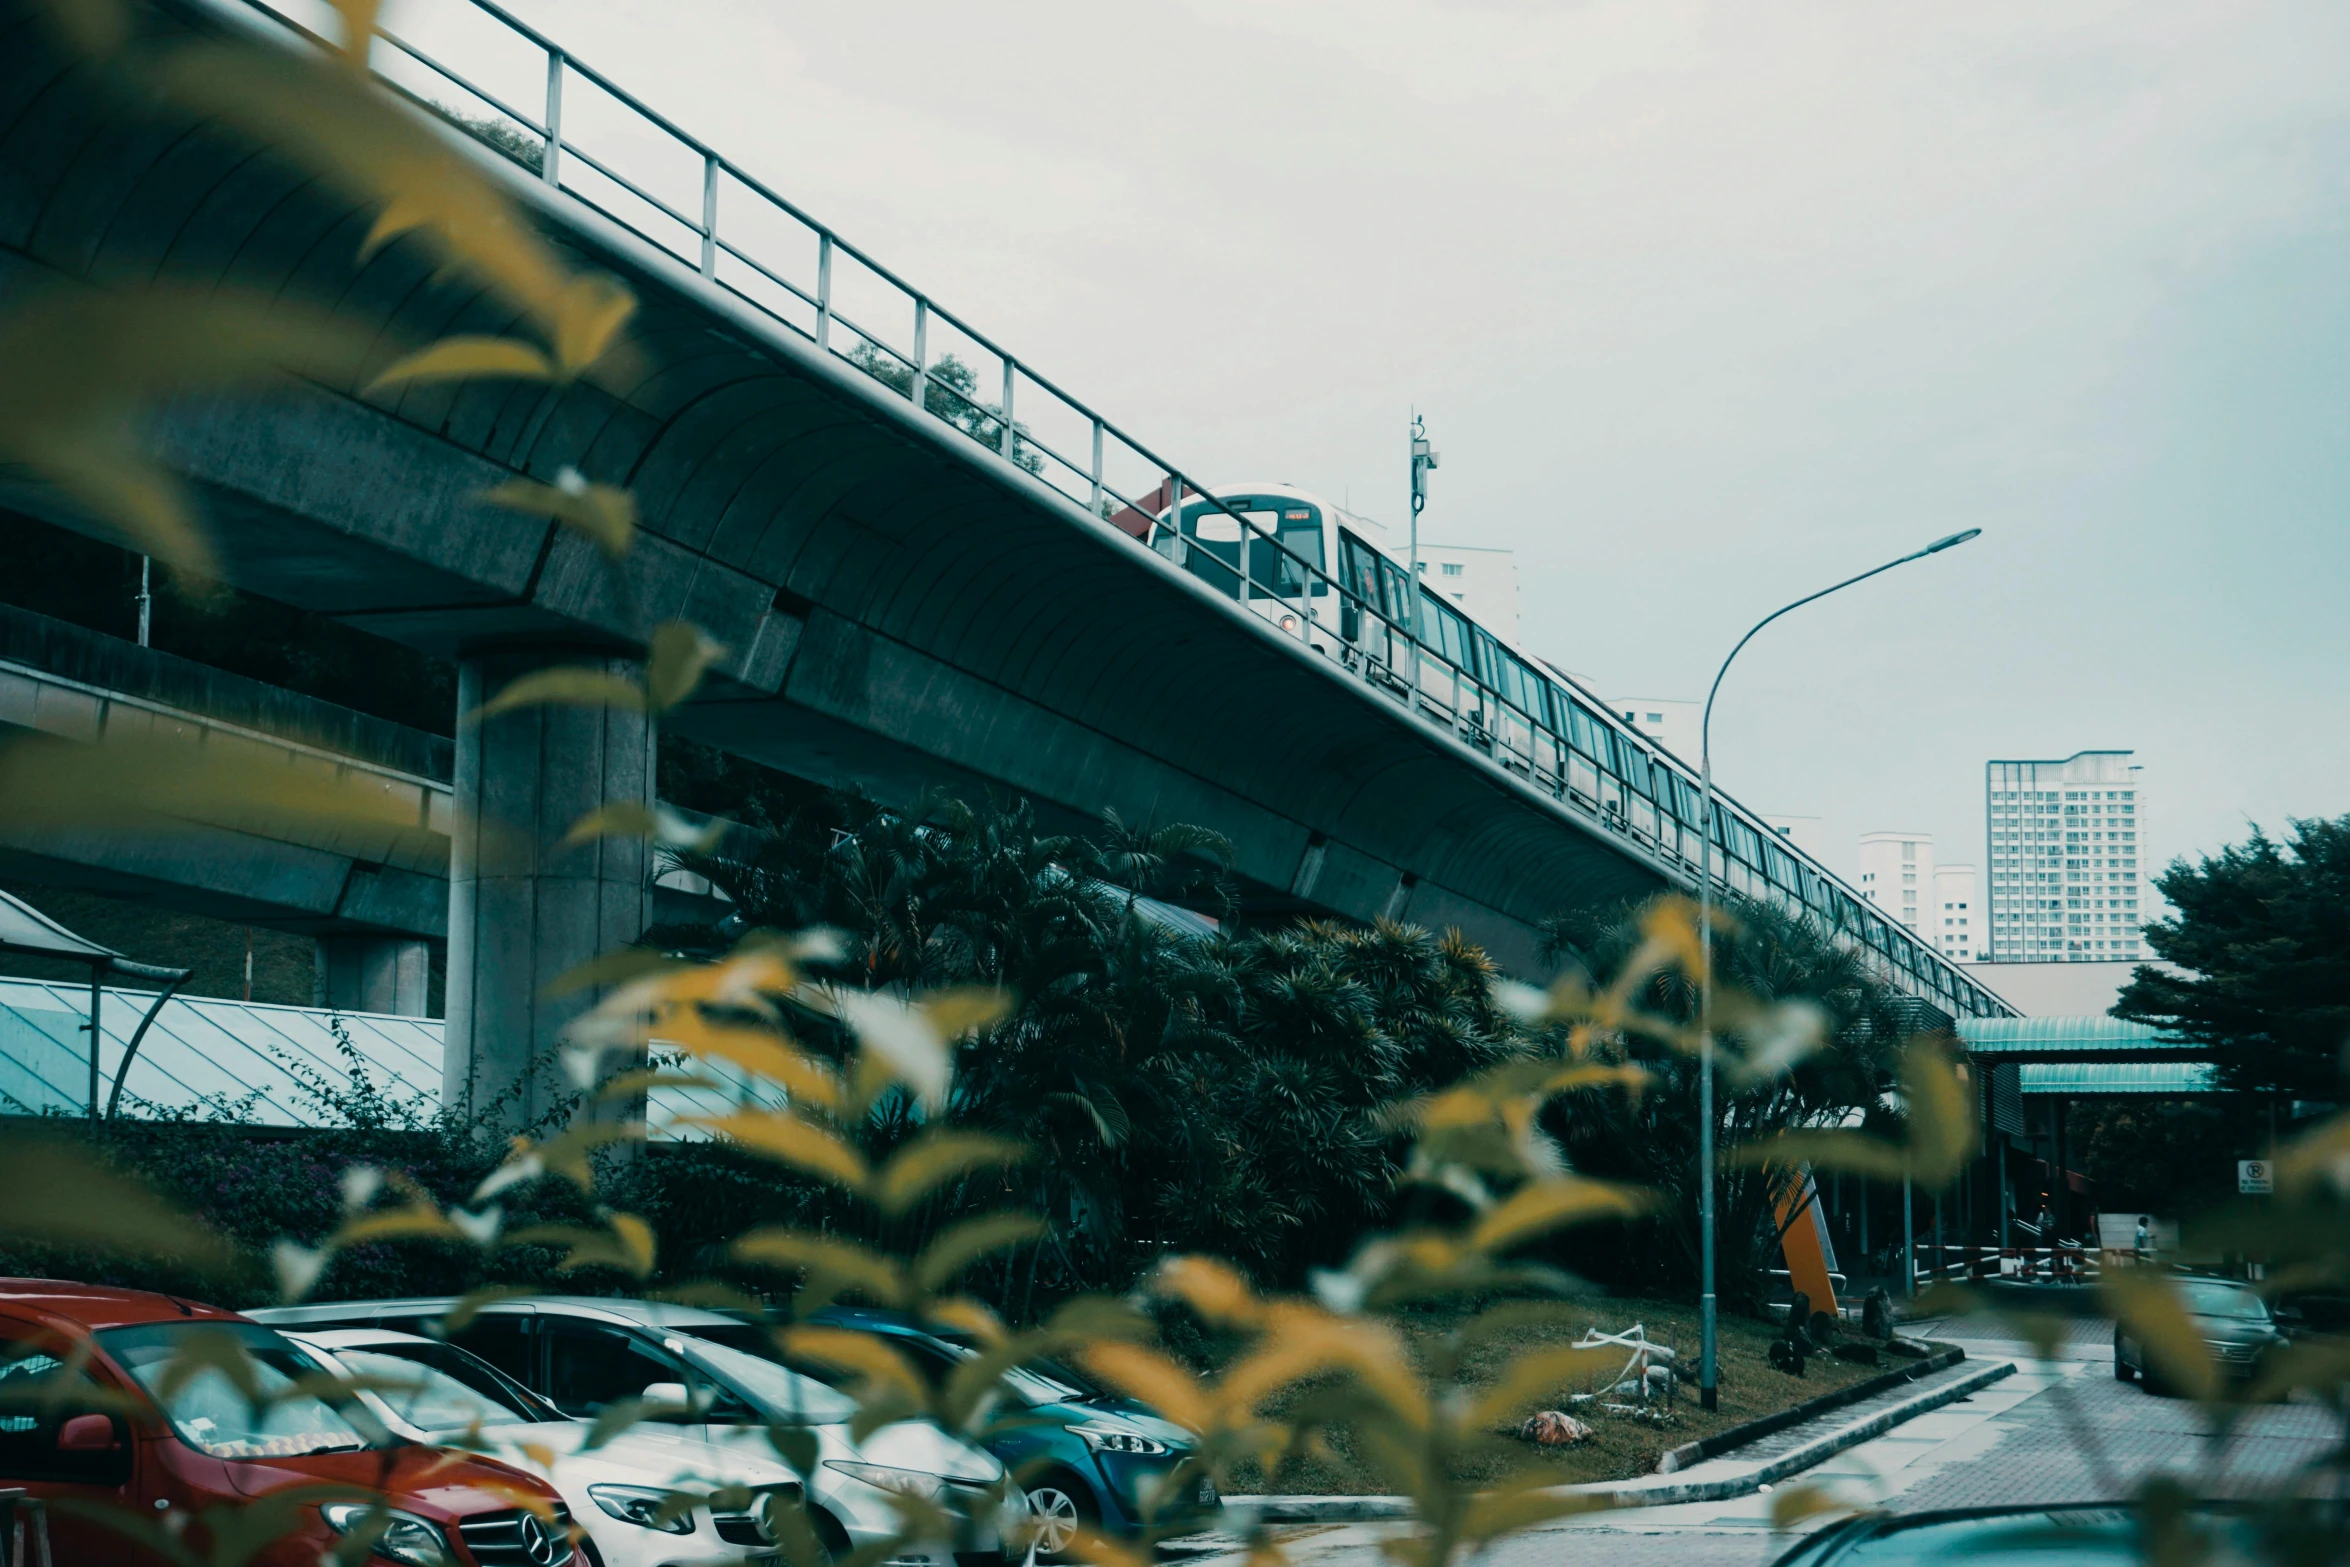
(1764,957)
(2263,935)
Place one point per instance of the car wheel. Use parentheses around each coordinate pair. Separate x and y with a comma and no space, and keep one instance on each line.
(1059,1507)
(2123,1371)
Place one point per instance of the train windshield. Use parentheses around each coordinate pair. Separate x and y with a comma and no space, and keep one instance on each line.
(1274,570)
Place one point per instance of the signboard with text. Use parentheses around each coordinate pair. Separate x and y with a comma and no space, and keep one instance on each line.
(2255,1177)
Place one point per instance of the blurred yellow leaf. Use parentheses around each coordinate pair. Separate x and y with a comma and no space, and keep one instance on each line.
(767,1055)
(79,365)
(1510,1509)
(1091,1545)
(1213,1289)
(94,27)
(1151,1378)
(466,358)
(1942,1129)
(2146,1307)
(417,1221)
(620,819)
(1791,1505)
(656,824)
(604,512)
(1943,1125)
(206,1349)
(791,1140)
(627,1244)
(376,150)
(1303,1341)
(54,1194)
(570,686)
(935,1155)
(592,310)
(2319,1157)
(160,781)
(1534,1378)
(866,1354)
(1541,1206)
(967,1242)
(636,1084)
(358,18)
(899,1035)
(470,1305)
(298,1268)
(565,1154)
(680,653)
(825,1260)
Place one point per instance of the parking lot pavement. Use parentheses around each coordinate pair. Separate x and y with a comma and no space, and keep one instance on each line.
(2056,1431)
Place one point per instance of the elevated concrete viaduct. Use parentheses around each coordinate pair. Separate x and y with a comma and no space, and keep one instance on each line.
(901,606)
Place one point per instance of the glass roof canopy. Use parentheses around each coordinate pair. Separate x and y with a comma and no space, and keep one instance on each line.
(251,1062)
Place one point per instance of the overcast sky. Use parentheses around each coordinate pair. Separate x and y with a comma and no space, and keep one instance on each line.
(1706,305)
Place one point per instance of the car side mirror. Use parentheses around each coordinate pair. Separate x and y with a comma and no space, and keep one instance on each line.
(87,1434)
(670,1396)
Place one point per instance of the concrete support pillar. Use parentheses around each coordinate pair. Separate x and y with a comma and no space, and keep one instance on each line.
(523,909)
(375,974)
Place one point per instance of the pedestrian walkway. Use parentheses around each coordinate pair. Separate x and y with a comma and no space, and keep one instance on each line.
(1984,1336)
(2059,1430)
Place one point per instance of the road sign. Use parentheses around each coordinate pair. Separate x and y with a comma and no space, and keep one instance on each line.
(2255,1176)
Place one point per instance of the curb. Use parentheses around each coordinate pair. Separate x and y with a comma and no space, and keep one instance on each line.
(1797,1459)
(1689,1453)
(1665,1491)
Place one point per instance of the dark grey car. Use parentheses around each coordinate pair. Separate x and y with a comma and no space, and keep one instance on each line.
(2235,1324)
(2097,1534)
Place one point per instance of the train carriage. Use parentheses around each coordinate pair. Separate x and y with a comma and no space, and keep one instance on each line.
(1322,574)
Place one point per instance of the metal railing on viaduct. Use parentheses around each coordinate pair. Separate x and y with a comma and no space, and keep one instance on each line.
(930,564)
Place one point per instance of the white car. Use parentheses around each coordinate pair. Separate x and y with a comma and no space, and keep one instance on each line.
(620,1490)
(583,1354)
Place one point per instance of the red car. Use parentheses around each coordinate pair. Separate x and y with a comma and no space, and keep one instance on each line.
(94,1426)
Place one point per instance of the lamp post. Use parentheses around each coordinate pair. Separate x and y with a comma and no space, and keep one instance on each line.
(1707,1343)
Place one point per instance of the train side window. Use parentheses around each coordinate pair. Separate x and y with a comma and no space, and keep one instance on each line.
(1450,634)
(1397,592)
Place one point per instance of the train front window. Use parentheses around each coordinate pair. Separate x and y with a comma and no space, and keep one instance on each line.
(1282,572)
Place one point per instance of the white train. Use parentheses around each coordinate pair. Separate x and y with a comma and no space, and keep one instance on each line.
(1329,578)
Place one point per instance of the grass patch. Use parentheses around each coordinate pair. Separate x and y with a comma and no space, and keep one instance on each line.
(1622,1447)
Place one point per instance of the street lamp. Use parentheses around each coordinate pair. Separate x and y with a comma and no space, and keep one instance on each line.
(1705,978)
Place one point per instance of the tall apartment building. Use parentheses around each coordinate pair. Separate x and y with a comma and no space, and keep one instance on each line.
(1897,875)
(1482,581)
(1669,721)
(2065,840)
(1956,924)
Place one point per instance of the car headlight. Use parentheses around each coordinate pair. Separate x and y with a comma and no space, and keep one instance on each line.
(1116,1439)
(405,1538)
(907,1482)
(643,1505)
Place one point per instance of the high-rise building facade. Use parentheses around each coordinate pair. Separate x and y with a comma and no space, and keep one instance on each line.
(1955,924)
(1897,875)
(2065,840)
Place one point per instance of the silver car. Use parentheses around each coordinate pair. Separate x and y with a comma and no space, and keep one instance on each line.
(584,1354)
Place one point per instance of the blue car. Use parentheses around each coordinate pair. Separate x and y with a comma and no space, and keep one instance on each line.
(1088,1456)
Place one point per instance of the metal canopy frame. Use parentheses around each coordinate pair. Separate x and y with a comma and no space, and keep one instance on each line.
(26,932)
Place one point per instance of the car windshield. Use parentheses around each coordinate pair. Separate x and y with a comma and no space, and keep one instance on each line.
(192,1371)
(744,1354)
(2216,1298)
(2059,1537)
(435,1397)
